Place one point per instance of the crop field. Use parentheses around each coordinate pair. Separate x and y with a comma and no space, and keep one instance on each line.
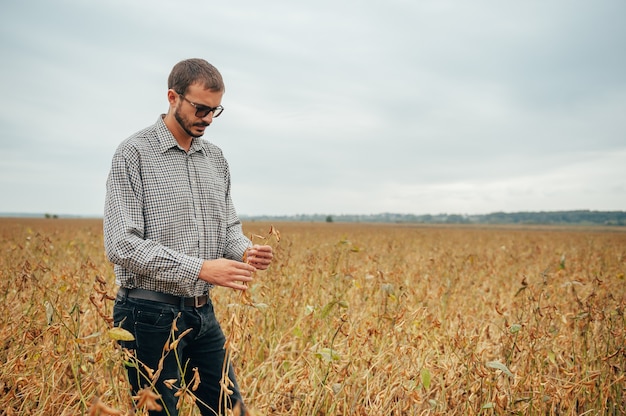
(358,319)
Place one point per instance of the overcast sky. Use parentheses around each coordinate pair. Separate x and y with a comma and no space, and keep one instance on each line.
(331,107)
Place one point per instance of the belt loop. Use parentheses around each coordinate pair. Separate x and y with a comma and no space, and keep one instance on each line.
(123,293)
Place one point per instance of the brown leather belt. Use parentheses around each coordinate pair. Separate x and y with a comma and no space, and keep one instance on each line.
(197,301)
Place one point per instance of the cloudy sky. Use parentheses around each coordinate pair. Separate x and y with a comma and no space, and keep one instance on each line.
(332,107)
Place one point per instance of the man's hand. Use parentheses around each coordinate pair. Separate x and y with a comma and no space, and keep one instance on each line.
(227,273)
(259,256)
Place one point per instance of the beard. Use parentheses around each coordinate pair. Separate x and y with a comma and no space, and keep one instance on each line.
(187,125)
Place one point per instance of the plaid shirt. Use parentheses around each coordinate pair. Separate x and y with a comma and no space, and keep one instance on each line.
(166,210)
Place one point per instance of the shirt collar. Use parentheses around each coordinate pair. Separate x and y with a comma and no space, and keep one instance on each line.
(167,139)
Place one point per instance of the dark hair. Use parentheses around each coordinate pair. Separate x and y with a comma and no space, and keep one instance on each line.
(194,71)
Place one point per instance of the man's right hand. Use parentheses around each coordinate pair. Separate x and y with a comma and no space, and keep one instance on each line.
(227,273)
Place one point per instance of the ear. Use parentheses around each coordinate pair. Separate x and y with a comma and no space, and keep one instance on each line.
(172,96)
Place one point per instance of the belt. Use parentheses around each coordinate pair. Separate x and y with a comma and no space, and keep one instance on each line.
(197,301)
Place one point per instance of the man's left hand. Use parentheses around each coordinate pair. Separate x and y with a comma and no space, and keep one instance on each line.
(259,256)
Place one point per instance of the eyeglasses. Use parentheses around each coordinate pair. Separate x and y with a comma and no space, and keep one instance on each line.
(202,110)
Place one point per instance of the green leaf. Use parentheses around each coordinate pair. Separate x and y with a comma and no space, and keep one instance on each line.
(499,366)
(327,308)
(49,312)
(515,328)
(120,334)
(327,355)
(425,375)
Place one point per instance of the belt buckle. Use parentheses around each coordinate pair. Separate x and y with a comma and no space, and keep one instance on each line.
(196,301)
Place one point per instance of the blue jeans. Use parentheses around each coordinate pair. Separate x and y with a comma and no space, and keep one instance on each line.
(202,348)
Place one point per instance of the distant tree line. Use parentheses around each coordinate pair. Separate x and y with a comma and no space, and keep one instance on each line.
(582,217)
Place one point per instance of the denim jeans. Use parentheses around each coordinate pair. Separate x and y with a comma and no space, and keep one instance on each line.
(203,348)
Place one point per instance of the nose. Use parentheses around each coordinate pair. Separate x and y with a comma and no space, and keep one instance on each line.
(208,118)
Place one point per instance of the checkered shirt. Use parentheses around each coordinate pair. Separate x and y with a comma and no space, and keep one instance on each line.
(166,210)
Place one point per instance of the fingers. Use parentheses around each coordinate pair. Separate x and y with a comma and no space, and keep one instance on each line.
(241,275)
(241,266)
(227,273)
(262,249)
(242,272)
(259,264)
(236,274)
(260,256)
(239,278)
(236,286)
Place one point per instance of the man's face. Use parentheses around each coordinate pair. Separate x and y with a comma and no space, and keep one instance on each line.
(187,106)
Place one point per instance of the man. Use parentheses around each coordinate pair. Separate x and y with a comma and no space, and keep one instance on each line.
(172,232)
